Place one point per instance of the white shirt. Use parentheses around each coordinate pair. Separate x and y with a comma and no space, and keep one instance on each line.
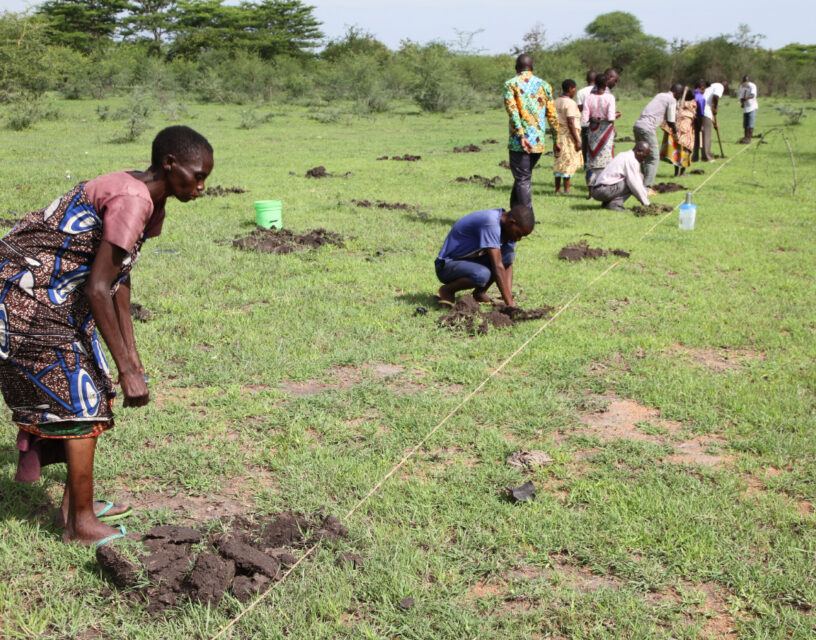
(582,94)
(716,89)
(748,89)
(624,166)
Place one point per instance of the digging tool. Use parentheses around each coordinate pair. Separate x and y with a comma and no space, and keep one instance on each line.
(717,129)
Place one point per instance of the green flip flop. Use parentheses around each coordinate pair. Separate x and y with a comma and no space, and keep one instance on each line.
(108,506)
(122,533)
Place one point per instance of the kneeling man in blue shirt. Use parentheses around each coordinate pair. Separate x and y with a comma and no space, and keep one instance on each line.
(480,250)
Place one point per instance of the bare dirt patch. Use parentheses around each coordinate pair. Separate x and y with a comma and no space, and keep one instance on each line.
(379,204)
(403,158)
(220,192)
(138,312)
(241,557)
(468,148)
(625,419)
(718,358)
(653,209)
(668,187)
(466,315)
(489,183)
(395,376)
(285,241)
(582,251)
(320,172)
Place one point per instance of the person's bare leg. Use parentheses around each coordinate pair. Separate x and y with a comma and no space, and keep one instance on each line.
(557,185)
(448,291)
(62,514)
(567,185)
(81,524)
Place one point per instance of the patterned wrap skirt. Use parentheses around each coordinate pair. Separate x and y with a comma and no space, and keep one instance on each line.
(53,372)
(601,147)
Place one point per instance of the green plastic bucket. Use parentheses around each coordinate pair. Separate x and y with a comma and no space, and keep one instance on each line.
(268,214)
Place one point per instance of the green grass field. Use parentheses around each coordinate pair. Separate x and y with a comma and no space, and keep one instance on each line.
(675,394)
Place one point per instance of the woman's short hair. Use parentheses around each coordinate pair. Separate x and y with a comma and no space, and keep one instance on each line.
(179,141)
(567,85)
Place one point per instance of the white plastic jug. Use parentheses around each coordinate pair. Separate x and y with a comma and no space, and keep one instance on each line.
(688,212)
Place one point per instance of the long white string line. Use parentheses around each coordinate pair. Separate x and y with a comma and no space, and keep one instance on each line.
(453,411)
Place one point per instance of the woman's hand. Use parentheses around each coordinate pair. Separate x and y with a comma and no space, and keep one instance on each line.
(134,388)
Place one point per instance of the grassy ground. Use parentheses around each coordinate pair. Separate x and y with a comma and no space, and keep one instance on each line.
(675,395)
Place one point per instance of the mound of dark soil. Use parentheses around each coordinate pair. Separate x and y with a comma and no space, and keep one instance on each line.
(624,139)
(407,158)
(379,204)
(138,312)
(468,148)
(466,315)
(504,164)
(668,187)
(654,209)
(696,172)
(490,141)
(286,241)
(220,191)
(178,563)
(582,251)
(320,172)
(489,183)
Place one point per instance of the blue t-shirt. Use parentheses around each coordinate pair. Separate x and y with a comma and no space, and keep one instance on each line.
(472,234)
(699,98)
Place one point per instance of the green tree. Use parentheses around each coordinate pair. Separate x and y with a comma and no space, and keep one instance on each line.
(615,27)
(354,42)
(84,25)
(22,49)
(149,20)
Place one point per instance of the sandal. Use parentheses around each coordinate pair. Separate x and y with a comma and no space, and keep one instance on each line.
(122,533)
(114,516)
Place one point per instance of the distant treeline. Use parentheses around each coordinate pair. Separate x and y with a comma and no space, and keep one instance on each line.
(274,50)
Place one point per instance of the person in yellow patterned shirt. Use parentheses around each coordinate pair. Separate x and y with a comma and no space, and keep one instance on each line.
(531,108)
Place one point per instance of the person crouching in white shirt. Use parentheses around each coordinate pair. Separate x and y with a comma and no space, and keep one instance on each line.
(621,178)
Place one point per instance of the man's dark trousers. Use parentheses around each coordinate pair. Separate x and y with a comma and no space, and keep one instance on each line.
(521,166)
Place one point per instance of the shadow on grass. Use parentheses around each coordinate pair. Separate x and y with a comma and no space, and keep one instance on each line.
(430,219)
(23,500)
(419,299)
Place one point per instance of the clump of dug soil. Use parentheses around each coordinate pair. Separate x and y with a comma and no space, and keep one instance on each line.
(625,139)
(668,187)
(490,141)
(286,241)
(242,558)
(489,183)
(582,251)
(696,172)
(468,148)
(379,204)
(320,172)
(467,315)
(654,209)
(138,312)
(220,191)
(407,157)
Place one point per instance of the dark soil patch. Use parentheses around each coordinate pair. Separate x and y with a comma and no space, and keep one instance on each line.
(403,158)
(468,148)
(8,222)
(138,312)
(320,172)
(504,165)
(582,251)
(624,139)
(286,241)
(391,206)
(696,172)
(489,183)
(220,191)
(178,563)
(490,141)
(654,209)
(467,316)
(668,187)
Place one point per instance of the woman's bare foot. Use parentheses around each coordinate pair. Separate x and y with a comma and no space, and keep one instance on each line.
(445,298)
(98,507)
(481,296)
(88,531)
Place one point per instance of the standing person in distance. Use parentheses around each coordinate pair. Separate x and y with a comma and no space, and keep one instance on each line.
(580,99)
(569,118)
(531,109)
(699,100)
(712,95)
(662,108)
(750,106)
(599,115)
